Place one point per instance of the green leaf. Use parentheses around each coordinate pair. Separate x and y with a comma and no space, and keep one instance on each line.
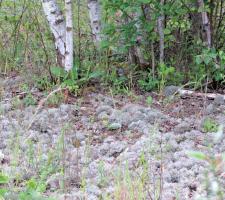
(144,1)
(32,184)
(2,192)
(104,44)
(114,126)
(198,59)
(96,74)
(3,179)
(167,31)
(207,59)
(196,154)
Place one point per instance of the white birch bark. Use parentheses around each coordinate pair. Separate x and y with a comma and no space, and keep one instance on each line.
(69,35)
(161,34)
(58,28)
(95,19)
(205,23)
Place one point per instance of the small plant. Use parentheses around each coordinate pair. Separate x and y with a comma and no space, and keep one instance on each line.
(24,87)
(148,83)
(149,100)
(66,80)
(102,174)
(71,85)
(43,83)
(3,181)
(128,187)
(31,192)
(29,100)
(55,99)
(16,102)
(164,72)
(209,125)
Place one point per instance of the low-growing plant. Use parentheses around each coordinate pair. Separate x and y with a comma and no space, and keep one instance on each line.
(29,100)
(16,102)
(43,83)
(209,125)
(55,99)
(128,187)
(29,192)
(3,184)
(103,180)
(149,100)
(148,83)
(62,78)
(164,73)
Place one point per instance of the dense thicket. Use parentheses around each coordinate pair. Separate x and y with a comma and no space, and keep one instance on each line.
(144,43)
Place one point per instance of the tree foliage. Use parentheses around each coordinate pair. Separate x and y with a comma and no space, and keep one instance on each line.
(130,40)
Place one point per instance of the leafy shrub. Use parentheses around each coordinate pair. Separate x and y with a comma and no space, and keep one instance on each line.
(212,63)
(148,83)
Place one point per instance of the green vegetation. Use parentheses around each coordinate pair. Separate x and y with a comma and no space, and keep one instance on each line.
(209,125)
(187,57)
(149,100)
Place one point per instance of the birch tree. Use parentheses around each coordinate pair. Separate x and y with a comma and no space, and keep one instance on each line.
(57,25)
(69,35)
(95,19)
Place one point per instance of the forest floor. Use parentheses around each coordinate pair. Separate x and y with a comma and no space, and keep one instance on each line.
(100,146)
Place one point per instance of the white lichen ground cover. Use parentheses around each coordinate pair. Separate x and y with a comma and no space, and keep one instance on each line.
(102,147)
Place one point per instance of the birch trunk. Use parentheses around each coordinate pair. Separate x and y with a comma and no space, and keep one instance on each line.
(161,33)
(69,35)
(205,23)
(58,28)
(95,19)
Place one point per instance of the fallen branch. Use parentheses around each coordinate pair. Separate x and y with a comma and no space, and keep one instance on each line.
(41,104)
(199,94)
